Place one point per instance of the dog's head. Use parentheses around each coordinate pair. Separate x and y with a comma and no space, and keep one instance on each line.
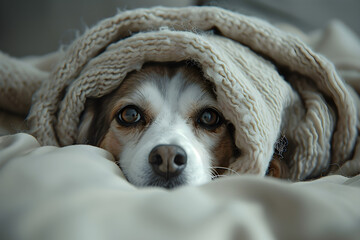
(164,127)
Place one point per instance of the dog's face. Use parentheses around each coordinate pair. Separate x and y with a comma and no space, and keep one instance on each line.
(164,127)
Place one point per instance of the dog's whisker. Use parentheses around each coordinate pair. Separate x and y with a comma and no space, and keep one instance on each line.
(213,171)
(225,168)
(218,176)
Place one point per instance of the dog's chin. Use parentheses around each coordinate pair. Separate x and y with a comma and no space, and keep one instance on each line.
(156,181)
(153,180)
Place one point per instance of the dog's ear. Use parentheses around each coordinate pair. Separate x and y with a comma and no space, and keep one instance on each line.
(278,168)
(236,151)
(94,122)
(85,127)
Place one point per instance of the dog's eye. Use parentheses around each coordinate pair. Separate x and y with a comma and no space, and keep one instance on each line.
(129,115)
(209,118)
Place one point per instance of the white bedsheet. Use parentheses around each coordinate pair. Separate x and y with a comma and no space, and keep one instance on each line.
(77,192)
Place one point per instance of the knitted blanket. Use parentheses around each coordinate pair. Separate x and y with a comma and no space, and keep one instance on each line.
(268,83)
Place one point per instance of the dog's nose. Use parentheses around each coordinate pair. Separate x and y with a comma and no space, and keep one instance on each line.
(168,160)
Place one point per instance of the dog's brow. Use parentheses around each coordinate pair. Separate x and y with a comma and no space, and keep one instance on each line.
(161,82)
(206,97)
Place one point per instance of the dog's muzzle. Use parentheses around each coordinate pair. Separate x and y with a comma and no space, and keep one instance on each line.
(168,161)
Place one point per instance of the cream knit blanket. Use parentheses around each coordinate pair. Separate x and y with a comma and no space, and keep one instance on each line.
(268,83)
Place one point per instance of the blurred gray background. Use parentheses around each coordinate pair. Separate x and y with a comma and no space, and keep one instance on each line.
(35,27)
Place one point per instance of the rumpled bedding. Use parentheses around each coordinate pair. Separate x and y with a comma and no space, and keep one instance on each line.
(77,192)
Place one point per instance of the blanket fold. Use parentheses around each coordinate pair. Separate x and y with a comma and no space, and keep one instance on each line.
(268,82)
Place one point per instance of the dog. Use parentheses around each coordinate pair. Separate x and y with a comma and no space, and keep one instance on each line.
(164,127)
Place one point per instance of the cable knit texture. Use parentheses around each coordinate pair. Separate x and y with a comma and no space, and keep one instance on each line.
(268,83)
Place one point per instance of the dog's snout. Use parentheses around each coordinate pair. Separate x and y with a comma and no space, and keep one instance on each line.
(168,160)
